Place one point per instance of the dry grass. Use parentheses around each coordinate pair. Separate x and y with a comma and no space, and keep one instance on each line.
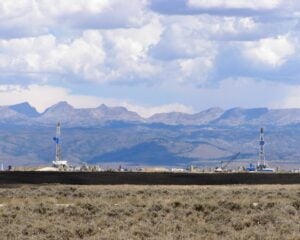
(150,212)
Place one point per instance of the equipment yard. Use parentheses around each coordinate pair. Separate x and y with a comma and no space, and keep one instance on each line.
(150,212)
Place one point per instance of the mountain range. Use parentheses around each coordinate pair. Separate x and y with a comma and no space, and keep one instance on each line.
(65,113)
(113,135)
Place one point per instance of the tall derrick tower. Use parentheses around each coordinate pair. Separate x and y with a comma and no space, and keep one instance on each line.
(57,143)
(262,166)
(59,163)
(262,159)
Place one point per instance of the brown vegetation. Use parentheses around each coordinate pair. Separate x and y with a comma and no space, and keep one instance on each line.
(150,212)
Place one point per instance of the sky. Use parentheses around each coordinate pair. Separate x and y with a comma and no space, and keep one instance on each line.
(151,56)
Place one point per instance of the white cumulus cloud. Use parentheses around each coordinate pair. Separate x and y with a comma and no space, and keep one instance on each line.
(272,52)
(119,42)
(45,54)
(19,18)
(96,13)
(127,50)
(96,55)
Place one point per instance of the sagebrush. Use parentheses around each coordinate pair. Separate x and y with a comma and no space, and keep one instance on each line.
(150,212)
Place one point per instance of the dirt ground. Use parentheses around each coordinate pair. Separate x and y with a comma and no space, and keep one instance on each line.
(150,212)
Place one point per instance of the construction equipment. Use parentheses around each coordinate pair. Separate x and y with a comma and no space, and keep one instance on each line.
(251,168)
(223,167)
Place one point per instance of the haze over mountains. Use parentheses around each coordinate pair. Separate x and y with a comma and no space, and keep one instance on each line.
(113,135)
(25,114)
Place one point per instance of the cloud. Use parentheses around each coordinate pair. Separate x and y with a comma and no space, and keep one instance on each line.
(46,55)
(240,4)
(221,29)
(148,43)
(274,59)
(272,52)
(24,18)
(236,92)
(191,68)
(151,110)
(292,100)
(188,50)
(43,96)
(127,50)
(191,46)
(182,38)
(264,10)
(95,14)
(184,51)
(98,56)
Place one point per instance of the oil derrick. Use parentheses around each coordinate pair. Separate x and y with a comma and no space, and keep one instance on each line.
(262,166)
(59,163)
(262,159)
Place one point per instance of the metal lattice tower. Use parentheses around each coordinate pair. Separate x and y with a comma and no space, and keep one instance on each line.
(58,163)
(57,141)
(262,159)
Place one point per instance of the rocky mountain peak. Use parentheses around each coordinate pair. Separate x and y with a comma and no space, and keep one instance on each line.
(61,106)
(26,109)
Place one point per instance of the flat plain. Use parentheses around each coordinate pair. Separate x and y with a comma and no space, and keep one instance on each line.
(150,212)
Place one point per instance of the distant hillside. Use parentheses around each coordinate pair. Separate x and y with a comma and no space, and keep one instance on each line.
(113,135)
(144,154)
(148,144)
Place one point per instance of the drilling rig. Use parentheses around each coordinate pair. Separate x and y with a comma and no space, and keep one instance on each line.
(262,166)
(58,163)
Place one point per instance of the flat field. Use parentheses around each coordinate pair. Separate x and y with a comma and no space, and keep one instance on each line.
(150,212)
